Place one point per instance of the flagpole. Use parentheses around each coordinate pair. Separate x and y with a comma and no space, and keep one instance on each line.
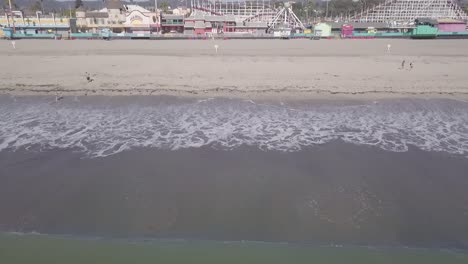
(158,20)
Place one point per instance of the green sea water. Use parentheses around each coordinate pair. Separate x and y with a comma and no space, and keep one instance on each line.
(50,249)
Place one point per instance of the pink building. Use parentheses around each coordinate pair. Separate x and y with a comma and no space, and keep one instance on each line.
(451,25)
(347,30)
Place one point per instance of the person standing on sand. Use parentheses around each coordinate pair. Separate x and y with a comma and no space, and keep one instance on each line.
(411,65)
(403,64)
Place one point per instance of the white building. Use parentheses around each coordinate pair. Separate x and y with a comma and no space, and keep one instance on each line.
(139,19)
(119,18)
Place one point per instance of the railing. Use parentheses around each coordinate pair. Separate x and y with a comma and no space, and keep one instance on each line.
(442,33)
(84,35)
(172,24)
(39,35)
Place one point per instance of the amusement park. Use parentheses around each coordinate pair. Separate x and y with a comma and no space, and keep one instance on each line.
(242,19)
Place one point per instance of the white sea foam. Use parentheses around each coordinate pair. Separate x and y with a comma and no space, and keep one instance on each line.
(102,130)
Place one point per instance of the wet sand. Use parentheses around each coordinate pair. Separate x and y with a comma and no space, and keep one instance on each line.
(258,69)
(59,249)
(336,193)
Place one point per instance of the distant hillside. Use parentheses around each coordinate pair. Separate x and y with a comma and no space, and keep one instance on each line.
(50,5)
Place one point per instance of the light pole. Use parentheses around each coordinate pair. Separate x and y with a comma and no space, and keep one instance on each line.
(326,13)
(7,17)
(326,10)
(11,14)
(307,14)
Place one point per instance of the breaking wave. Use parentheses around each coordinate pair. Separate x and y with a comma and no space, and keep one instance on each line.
(101,128)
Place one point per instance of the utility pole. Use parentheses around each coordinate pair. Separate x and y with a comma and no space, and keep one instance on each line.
(326,13)
(7,17)
(12,17)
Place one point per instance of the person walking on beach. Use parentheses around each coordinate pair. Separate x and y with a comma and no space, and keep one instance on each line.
(403,64)
(411,65)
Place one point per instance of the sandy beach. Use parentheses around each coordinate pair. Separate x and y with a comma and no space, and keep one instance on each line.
(241,68)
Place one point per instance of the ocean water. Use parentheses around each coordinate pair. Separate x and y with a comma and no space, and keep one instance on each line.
(100,126)
(371,173)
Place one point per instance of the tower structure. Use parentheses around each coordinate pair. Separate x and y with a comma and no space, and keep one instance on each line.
(286,16)
(404,12)
(249,11)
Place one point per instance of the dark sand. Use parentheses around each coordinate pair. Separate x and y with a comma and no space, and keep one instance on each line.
(335,193)
(42,249)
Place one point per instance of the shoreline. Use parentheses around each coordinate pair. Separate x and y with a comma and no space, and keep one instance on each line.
(155,240)
(176,251)
(267,95)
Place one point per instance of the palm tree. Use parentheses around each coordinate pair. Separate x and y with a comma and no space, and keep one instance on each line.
(164,6)
(78,3)
(12,2)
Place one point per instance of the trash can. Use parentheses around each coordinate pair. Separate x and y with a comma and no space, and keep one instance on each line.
(8,33)
(106,33)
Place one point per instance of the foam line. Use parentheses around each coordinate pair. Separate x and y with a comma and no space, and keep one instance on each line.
(102,130)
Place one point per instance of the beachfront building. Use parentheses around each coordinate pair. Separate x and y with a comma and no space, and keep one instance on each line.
(200,24)
(119,18)
(111,17)
(220,24)
(451,25)
(141,20)
(196,25)
(253,27)
(322,30)
(361,27)
(36,23)
(171,23)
